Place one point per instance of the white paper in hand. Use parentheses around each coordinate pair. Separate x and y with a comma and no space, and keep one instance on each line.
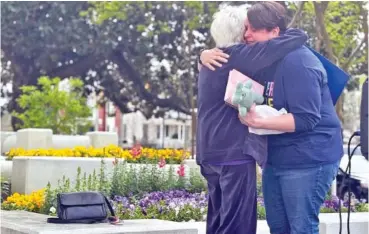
(266,111)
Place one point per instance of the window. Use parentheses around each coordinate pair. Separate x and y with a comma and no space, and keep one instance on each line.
(145,130)
(124,131)
(187,133)
(167,131)
(157,131)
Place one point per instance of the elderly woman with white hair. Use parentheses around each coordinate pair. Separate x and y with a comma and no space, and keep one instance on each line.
(226,152)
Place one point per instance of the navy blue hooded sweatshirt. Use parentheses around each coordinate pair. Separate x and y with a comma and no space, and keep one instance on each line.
(221,137)
(300,86)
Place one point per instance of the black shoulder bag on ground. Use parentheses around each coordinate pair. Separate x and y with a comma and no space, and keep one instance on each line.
(83,207)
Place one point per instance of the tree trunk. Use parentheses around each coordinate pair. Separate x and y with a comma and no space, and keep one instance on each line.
(193,124)
(320,8)
(23,75)
(191,82)
(320,22)
(300,7)
(364,13)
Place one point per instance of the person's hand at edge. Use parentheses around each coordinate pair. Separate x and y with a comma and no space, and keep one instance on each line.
(213,57)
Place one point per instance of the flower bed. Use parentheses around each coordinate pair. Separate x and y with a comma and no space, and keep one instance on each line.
(173,205)
(332,205)
(145,191)
(33,202)
(134,155)
(179,205)
(128,180)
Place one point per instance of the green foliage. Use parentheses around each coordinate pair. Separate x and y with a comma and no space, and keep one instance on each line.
(90,36)
(163,212)
(345,26)
(129,179)
(197,12)
(5,188)
(330,210)
(170,33)
(50,196)
(132,181)
(259,189)
(116,9)
(49,107)
(362,207)
(104,183)
(197,182)
(261,212)
(126,180)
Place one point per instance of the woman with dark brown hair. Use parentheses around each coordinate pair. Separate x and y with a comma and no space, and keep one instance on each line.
(302,162)
(226,162)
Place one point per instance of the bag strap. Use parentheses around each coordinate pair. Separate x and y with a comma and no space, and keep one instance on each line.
(62,221)
(112,219)
(109,206)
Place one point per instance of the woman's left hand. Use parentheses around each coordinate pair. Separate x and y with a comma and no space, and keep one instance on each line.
(251,119)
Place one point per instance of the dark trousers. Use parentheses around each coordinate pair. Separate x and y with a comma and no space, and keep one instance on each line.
(232,198)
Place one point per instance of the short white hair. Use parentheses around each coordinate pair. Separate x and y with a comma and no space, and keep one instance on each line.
(228,25)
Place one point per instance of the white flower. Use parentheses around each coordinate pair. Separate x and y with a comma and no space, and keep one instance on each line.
(52,210)
(204,217)
(202,210)
(177,210)
(191,221)
(172,205)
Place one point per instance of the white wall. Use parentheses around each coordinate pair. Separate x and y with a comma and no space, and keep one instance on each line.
(43,138)
(158,129)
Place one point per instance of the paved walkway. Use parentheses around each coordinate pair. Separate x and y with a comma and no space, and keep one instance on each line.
(329,224)
(262,227)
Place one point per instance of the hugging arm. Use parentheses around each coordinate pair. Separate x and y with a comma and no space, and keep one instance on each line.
(212,57)
(252,58)
(257,56)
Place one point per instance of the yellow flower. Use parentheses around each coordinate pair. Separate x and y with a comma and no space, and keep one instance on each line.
(110,151)
(30,202)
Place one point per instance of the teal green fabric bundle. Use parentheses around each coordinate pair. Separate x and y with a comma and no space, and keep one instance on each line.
(244,97)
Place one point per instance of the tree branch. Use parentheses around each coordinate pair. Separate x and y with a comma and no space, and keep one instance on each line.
(352,55)
(300,7)
(364,13)
(112,92)
(125,67)
(76,69)
(319,12)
